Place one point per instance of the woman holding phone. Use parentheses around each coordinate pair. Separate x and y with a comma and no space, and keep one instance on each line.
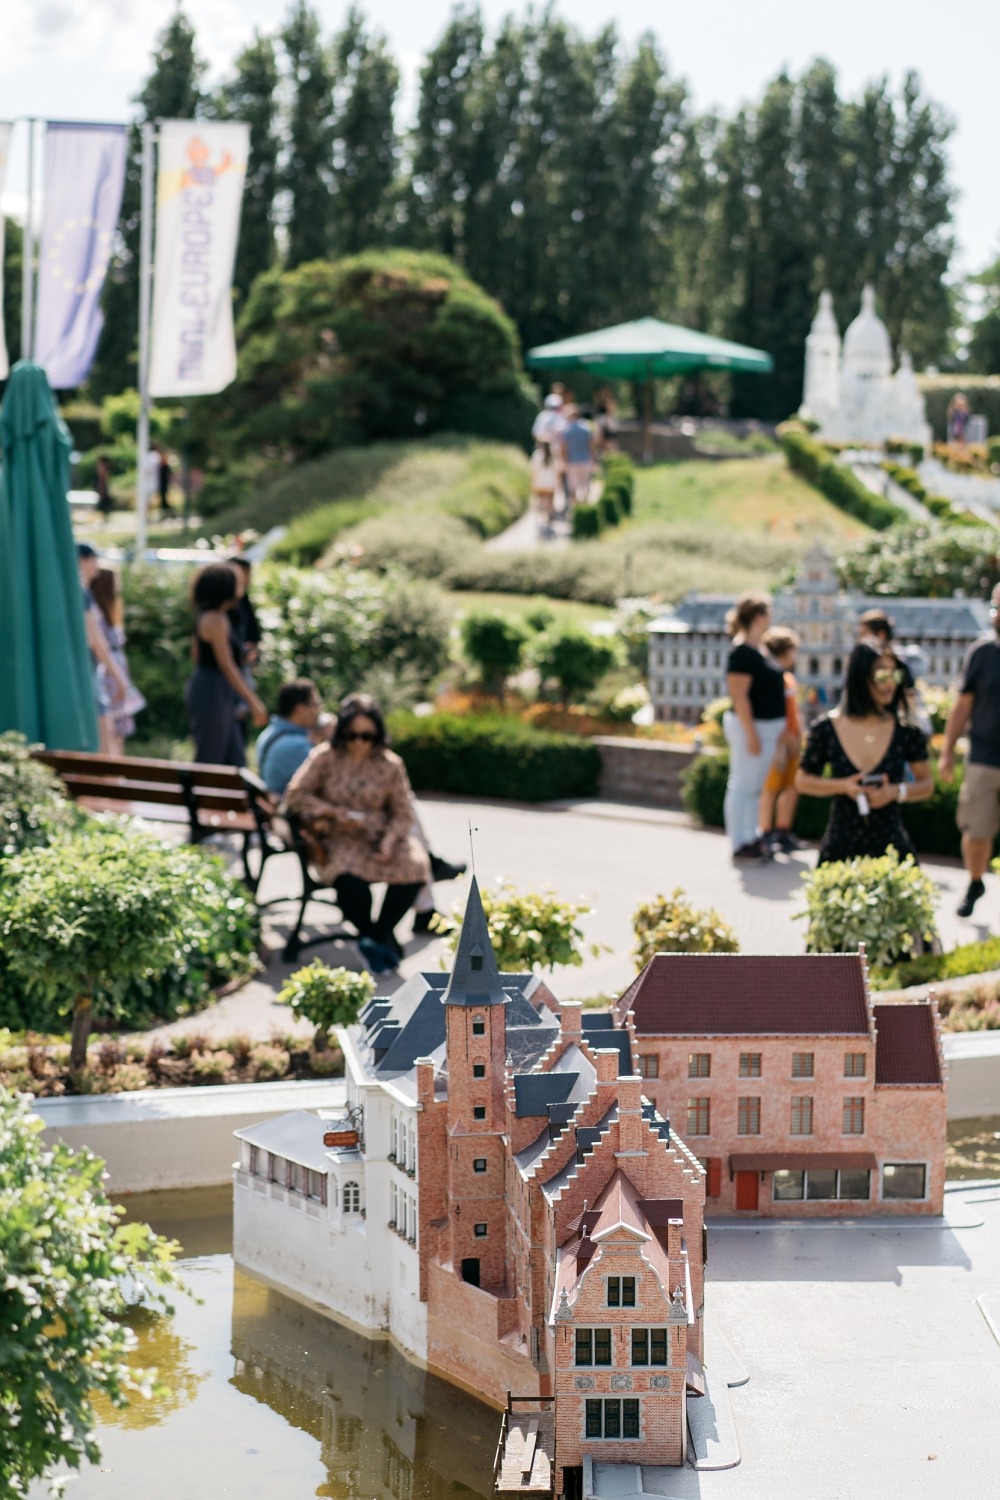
(876,760)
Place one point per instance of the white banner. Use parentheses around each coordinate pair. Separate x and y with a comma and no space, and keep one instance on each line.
(199,189)
(4,151)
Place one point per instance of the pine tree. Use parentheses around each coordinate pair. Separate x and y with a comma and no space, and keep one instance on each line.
(365,149)
(308,166)
(250,96)
(171,92)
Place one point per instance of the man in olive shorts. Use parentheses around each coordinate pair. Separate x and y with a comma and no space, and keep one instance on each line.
(978,706)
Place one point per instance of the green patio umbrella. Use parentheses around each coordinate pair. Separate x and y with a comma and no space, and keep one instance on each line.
(47,681)
(642,351)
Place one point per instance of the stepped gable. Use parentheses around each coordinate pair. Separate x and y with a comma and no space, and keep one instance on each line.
(601,1033)
(741,994)
(475,978)
(906,1050)
(618,1207)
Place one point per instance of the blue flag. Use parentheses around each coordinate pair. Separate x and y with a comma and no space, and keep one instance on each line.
(84,179)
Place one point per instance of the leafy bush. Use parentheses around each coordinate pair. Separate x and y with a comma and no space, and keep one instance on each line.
(608,509)
(926,968)
(310,534)
(528,930)
(83,418)
(587,522)
(269,1062)
(71,1270)
(883,902)
(113,923)
(384,344)
(327,997)
(494,645)
(840,486)
(574,659)
(932,562)
(34,808)
(670,924)
(491,755)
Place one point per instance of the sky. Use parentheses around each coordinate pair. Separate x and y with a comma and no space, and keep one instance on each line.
(83,59)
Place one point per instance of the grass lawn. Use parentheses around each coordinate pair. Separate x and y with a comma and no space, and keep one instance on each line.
(759,495)
(516,606)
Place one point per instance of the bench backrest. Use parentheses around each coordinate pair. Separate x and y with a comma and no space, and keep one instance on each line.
(171,783)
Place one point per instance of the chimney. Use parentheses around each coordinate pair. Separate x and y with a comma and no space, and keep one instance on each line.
(571,1020)
(631,1131)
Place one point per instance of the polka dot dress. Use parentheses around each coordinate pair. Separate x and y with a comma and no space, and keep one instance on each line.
(848,833)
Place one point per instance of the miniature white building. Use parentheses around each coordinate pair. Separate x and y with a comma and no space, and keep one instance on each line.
(850,388)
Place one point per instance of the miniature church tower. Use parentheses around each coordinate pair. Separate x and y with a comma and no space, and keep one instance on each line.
(476,1047)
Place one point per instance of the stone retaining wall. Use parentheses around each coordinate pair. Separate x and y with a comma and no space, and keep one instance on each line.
(644,771)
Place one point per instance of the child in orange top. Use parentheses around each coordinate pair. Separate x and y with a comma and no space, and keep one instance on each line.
(779,798)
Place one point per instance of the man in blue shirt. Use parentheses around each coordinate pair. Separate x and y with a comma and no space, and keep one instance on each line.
(290,734)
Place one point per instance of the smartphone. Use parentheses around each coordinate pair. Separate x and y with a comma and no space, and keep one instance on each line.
(872,779)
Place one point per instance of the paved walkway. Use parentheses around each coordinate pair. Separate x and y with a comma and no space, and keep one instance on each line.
(609,855)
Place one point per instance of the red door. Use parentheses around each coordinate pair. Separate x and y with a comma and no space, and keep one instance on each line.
(746,1190)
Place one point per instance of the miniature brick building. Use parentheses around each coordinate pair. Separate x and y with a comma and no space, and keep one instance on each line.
(798,1094)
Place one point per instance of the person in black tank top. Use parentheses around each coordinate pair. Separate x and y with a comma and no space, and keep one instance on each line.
(216,688)
(756,686)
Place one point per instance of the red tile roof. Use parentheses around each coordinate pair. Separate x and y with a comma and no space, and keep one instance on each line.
(740,994)
(906,1051)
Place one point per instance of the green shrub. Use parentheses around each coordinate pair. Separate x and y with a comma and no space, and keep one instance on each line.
(140,928)
(670,924)
(608,508)
(327,997)
(930,561)
(703,787)
(926,968)
(84,420)
(310,534)
(912,451)
(121,459)
(34,808)
(528,929)
(574,659)
(492,755)
(884,902)
(588,521)
(983,392)
(834,480)
(494,645)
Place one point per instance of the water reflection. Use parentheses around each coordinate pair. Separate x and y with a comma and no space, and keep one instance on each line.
(385,1428)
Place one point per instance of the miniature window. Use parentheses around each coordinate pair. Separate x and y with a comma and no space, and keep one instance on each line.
(276,1169)
(802,1115)
(802,1064)
(821,1183)
(593,1346)
(479,1070)
(480,1231)
(476,962)
(479,1028)
(854,1116)
(479,1164)
(854,1064)
(316,1186)
(698,1117)
(352,1198)
(479,1111)
(786,1186)
(649,1065)
(621,1291)
(394,1139)
(393,1205)
(297,1178)
(904,1180)
(649,1346)
(251,1158)
(699,1064)
(854,1184)
(612,1419)
(749,1064)
(748,1116)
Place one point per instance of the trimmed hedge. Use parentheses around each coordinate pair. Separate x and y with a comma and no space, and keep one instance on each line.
(983,392)
(842,488)
(926,968)
(492,755)
(931,824)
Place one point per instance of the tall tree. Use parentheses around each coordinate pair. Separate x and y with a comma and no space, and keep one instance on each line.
(308,166)
(984,344)
(171,92)
(443,143)
(251,96)
(364,138)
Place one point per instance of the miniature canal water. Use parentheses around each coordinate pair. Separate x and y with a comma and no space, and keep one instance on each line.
(270,1400)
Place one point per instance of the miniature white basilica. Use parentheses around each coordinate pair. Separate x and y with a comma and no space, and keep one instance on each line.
(850,388)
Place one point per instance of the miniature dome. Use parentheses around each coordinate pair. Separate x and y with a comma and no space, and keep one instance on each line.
(866,341)
(825,321)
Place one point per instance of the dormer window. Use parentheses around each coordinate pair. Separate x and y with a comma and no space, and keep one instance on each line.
(476,960)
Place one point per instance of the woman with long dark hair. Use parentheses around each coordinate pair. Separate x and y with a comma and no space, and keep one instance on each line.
(217,687)
(754,725)
(871,750)
(353,796)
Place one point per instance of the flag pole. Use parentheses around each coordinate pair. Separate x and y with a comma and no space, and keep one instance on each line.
(145,289)
(28,253)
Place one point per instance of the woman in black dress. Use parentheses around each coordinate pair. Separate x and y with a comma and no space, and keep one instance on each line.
(217,687)
(867,743)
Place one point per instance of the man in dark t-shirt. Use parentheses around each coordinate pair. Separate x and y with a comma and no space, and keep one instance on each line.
(978,707)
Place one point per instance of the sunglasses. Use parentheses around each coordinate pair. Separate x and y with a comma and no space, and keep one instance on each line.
(361,734)
(882,675)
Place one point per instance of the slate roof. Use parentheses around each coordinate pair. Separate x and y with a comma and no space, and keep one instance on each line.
(601,1035)
(534,1092)
(912,617)
(906,1050)
(297,1136)
(743,994)
(475,979)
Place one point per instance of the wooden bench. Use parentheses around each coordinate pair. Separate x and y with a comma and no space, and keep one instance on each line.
(208,800)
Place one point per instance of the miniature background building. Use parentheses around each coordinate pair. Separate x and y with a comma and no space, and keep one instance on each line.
(688,646)
(799,1095)
(850,388)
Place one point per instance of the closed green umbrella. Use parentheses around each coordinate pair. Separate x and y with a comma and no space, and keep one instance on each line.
(644,350)
(47,680)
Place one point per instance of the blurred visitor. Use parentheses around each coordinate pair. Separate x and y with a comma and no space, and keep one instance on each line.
(121,713)
(578,456)
(217,687)
(753,726)
(977,708)
(779,798)
(114,686)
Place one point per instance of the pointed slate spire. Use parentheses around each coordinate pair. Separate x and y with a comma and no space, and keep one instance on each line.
(475,978)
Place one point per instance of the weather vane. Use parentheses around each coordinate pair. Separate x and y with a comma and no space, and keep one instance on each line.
(472,847)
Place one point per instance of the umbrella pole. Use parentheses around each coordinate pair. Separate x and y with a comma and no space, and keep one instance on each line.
(647,420)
